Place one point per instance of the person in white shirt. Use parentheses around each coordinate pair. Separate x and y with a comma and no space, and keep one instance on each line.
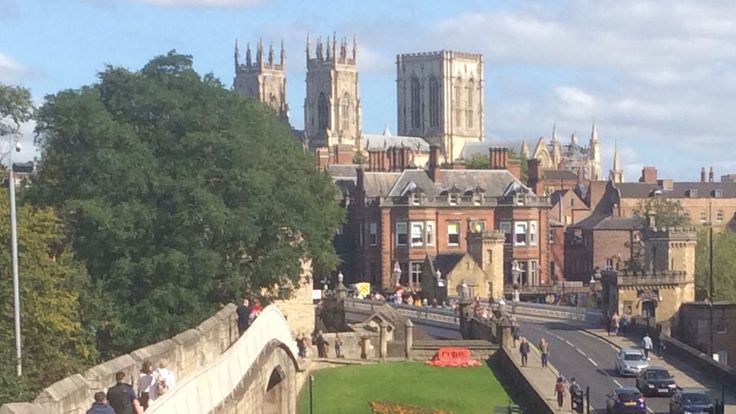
(145,383)
(163,380)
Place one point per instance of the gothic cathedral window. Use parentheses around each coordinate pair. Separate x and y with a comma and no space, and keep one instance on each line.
(434,102)
(415,109)
(345,112)
(458,102)
(322,112)
(470,91)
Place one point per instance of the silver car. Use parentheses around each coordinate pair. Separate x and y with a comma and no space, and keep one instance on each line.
(630,362)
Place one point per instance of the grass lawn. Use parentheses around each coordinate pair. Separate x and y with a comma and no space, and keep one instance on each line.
(349,389)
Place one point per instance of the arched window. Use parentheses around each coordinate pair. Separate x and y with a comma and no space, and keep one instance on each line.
(434,102)
(273,102)
(470,107)
(323,117)
(345,112)
(458,102)
(415,109)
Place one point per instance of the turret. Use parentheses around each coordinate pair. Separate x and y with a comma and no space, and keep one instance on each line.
(283,54)
(270,54)
(259,53)
(309,48)
(248,60)
(237,56)
(355,49)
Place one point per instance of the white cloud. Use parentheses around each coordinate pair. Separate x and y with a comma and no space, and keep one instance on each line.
(11,71)
(202,3)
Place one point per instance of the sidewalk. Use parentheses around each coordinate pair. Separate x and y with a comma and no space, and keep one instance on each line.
(685,376)
(543,379)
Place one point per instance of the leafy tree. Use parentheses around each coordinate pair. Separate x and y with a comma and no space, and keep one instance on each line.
(179,195)
(724,263)
(55,342)
(15,108)
(668,213)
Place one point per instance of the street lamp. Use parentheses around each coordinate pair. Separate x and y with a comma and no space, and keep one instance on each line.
(710,284)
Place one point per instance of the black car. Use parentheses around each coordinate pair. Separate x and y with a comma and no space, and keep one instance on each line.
(625,400)
(656,381)
(692,402)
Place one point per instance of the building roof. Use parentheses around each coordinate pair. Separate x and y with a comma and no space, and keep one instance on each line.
(493,183)
(383,141)
(445,262)
(554,174)
(342,171)
(679,190)
(619,223)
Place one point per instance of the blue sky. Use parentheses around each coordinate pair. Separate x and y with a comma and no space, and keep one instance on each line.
(658,77)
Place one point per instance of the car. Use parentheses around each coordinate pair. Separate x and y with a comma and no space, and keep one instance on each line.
(656,381)
(629,362)
(626,400)
(691,401)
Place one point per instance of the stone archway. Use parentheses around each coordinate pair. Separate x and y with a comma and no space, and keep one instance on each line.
(276,400)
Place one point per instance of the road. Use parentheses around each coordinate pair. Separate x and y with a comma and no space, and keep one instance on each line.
(587,358)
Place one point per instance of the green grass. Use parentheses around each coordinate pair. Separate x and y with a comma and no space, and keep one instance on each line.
(349,389)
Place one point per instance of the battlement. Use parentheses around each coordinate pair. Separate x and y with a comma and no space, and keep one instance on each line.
(439,53)
(262,61)
(671,233)
(331,54)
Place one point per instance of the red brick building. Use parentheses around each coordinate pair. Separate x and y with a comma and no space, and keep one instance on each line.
(403,215)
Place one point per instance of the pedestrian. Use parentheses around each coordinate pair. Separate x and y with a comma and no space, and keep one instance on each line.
(243,313)
(576,393)
(615,320)
(338,345)
(560,391)
(515,334)
(255,310)
(660,345)
(524,350)
(145,382)
(319,340)
(122,398)
(163,380)
(544,350)
(647,344)
(100,406)
(301,344)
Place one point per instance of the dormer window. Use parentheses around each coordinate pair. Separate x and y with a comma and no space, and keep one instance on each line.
(477,199)
(452,199)
(692,193)
(717,193)
(519,199)
(414,199)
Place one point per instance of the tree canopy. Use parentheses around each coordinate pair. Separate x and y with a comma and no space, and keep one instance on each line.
(667,213)
(724,263)
(178,195)
(15,108)
(52,288)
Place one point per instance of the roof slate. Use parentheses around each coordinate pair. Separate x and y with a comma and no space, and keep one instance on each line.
(679,189)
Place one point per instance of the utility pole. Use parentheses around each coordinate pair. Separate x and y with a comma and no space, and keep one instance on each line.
(710,285)
(14,259)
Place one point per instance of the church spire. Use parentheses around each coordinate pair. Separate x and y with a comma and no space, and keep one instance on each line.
(524,149)
(334,46)
(259,53)
(355,49)
(554,132)
(283,53)
(616,174)
(615,155)
(594,133)
(270,53)
(248,60)
(309,48)
(237,55)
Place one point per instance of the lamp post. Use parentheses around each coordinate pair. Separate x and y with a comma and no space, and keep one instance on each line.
(710,283)
(14,258)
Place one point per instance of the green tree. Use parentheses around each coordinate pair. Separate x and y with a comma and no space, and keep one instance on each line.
(724,263)
(15,108)
(55,342)
(668,213)
(179,195)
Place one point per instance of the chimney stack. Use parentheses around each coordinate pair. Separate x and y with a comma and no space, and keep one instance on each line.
(499,158)
(702,174)
(648,175)
(434,162)
(534,173)
(710,175)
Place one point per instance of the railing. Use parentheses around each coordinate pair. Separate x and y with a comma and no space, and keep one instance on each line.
(653,279)
(207,388)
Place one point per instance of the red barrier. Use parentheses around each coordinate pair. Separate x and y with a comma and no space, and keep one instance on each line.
(453,357)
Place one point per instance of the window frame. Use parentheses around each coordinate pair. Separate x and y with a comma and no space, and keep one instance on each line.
(373,233)
(399,233)
(508,231)
(415,276)
(418,225)
(519,225)
(532,232)
(456,225)
(429,233)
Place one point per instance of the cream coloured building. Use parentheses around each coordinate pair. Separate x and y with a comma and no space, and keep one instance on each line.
(264,79)
(440,98)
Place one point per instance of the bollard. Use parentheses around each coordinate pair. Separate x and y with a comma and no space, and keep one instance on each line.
(587,398)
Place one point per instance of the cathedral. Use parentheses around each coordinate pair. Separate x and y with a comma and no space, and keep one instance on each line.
(439,96)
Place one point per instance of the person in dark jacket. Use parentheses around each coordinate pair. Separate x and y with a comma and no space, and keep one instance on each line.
(243,312)
(524,350)
(122,398)
(100,406)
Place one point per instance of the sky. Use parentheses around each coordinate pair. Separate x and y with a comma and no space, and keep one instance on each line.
(657,76)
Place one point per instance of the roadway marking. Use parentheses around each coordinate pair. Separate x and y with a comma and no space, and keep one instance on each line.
(650,410)
(592,362)
(617,383)
(569,343)
(580,352)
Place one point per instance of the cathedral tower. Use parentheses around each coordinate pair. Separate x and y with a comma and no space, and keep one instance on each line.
(440,98)
(332,105)
(594,155)
(616,174)
(264,79)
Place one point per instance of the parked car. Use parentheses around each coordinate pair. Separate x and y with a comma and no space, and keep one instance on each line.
(691,401)
(656,381)
(631,362)
(626,400)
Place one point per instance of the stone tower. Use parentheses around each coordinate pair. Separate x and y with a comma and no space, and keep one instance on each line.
(440,98)
(264,79)
(486,248)
(332,105)
(594,155)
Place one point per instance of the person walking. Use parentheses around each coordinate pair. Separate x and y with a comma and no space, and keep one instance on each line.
(319,340)
(660,345)
(145,382)
(243,312)
(100,406)
(524,350)
(122,398)
(163,380)
(576,393)
(615,321)
(338,346)
(647,344)
(560,391)
(301,344)
(544,350)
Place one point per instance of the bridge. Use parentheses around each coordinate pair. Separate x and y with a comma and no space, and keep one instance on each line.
(219,372)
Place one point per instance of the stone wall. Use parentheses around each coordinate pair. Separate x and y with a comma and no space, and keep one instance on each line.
(518,386)
(185,353)
(298,309)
